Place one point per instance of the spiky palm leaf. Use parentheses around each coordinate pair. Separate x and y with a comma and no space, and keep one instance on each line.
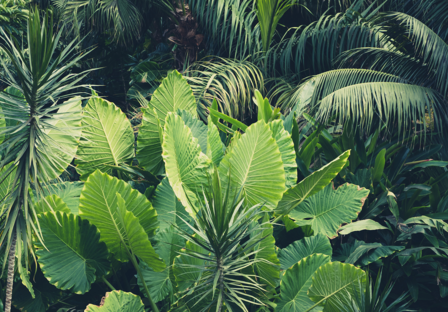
(230,82)
(43,80)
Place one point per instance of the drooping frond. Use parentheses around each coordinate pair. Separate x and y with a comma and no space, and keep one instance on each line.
(387,61)
(309,50)
(230,25)
(403,108)
(231,82)
(429,47)
(314,89)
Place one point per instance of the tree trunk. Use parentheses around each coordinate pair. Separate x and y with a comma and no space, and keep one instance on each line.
(10,280)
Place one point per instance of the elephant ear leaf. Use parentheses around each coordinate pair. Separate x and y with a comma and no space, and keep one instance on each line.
(132,235)
(303,248)
(256,168)
(99,203)
(185,164)
(215,147)
(108,138)
(337,284)
(312,184)
(70,242)
(118,301)
(174,93)
(51,203)
(296,282)
(327,210)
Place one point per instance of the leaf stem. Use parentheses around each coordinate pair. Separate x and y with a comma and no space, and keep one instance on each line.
(108,284)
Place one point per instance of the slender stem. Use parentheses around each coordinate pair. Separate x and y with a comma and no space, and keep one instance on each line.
(108,284)
(10,279)
(134,262)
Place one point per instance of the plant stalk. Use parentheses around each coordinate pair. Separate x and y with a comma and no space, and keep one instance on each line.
(10,278)
(108,284)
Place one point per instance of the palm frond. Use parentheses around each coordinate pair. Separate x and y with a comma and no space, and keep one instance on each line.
(305,51)
(429,47)
(231,26)
(402,108)
(230,82)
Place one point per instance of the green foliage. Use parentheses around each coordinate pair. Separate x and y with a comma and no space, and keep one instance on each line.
(118,301)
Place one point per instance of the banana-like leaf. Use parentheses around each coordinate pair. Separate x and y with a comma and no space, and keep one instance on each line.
(63,135)
(168,207)
(185,164)
(312,184)
(98,204)
(73,255)
(336,283)
(296,282)
(161,284)
(255,166)
(363,225)
(303,248)
(130,233)
(51,203)
(69,192)
(174,93)
(327,210)
(215,147)
(118,301)
(286,147)
(108,138)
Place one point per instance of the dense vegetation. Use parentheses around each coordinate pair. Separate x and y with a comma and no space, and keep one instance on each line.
(223,155)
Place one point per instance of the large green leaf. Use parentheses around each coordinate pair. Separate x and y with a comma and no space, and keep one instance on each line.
(336,283)
(362,253)
(198,128)
(73,255)
(98,204)
(108,138)
(185,164)
(69,192)
(255,166)
(118,301)
(362,225)
(161,284)
(168,207)
(6,185)
(286,146)
(130,233)
(215,148)
(303,248)
(51,203)
(267,265)
(174,93)
(296,282)
(64,132)
(327,210)
(312,184)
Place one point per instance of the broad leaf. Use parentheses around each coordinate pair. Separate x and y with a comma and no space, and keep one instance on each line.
(296,282)
(312,184)
(367,253)
(336,283)
(6,185)
(168,207)
(98,204)
(185,164)
(187,270)
(174,93)
(131,234)
(161,284)
(215,148)
(255,166)
(108,138)
(118,301)
(64,132)
(51,203)
(73,244)
(69,192)
(327,210)
(303,248)
(198,128)
(363,225)
(286,147)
